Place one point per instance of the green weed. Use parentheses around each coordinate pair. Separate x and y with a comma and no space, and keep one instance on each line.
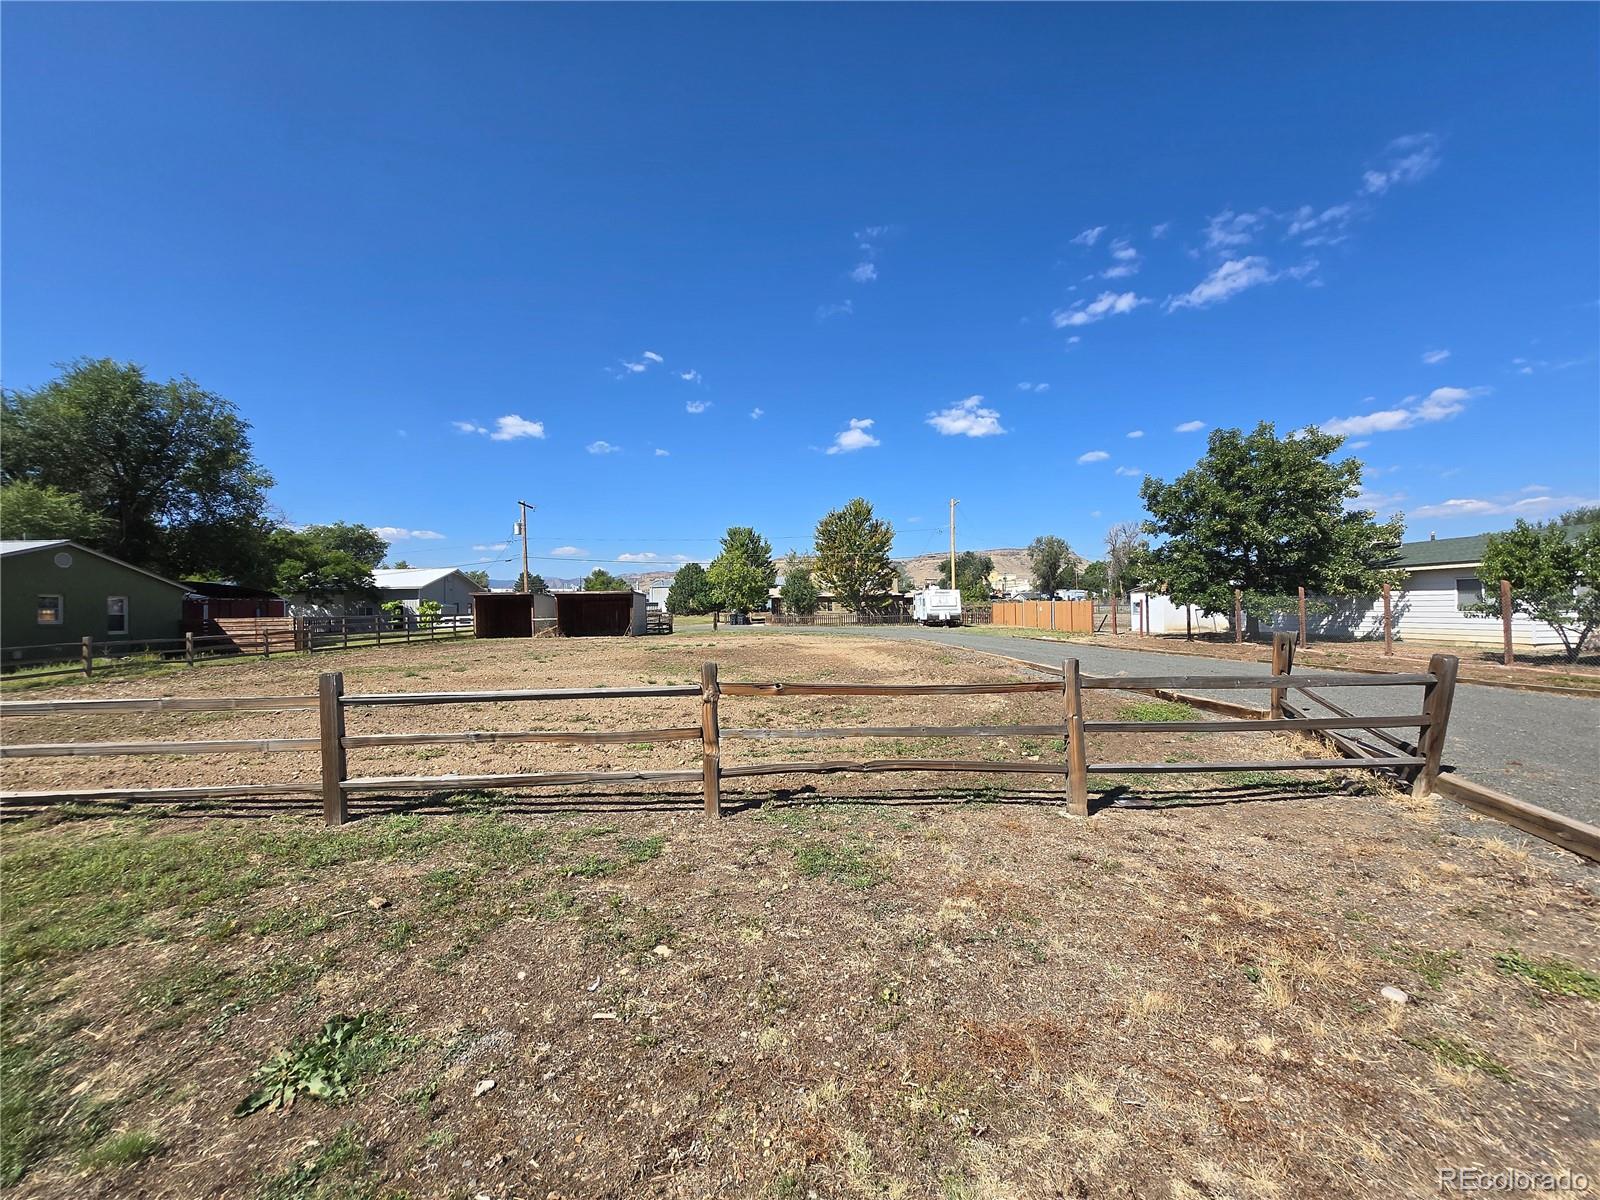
(1554,975)
(329,1065)
(123,1150)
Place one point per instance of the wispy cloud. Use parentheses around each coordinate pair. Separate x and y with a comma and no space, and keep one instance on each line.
(1189,427)
(689,376)
(492,547)
(1407,159)
(1135,433)
(1527,506)
(1438,405)
(568,552)
(1228,230)
(511,427)
(1161,230)
(841,308)
(1093,456)
(1325,228)
(1132,471)
(967,418)
(660,453)
(1087,312)
(1235,276)
(864,273)
(1434,357)
(854,438)
(1126,260)
(469,427)
(757,413)
(602,447)
(640,556)
(1033,387)
(696,406)
(653,356)
(1089,236)
(395,533)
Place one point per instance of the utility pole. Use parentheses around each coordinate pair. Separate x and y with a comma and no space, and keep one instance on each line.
(953,503)
(523,509)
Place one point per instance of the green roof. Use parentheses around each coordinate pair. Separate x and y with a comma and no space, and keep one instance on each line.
(1437,552)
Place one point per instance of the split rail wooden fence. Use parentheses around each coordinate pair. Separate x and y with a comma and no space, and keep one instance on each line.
(1419,763)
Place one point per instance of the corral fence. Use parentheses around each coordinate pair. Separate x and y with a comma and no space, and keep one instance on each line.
(346,633)
(1418,763)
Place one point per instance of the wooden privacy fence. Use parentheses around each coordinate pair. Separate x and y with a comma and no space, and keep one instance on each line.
(1419,764)
(1070,616)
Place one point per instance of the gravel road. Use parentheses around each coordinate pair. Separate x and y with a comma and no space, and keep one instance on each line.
(1541,748)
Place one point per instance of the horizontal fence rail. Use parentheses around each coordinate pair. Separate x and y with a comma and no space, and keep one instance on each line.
(1418,764)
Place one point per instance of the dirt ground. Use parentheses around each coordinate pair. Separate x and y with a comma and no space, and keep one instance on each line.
(852,986)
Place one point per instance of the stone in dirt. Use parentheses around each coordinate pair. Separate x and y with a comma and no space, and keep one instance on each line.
(1394,995)
(484,1085)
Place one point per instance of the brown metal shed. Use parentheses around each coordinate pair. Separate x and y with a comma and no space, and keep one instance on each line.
(502,614)
(600,614)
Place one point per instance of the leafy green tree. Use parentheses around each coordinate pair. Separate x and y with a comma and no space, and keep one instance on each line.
(602,580)
(743,574)
(305,565)
(1094,578)
(401,565)
(799,591)
(480,579)
(1588,514)
(428,613)
(360,542)
(1266,514)
(972,576)
(395,613)
(531,582)
(690,591)
(903,582)
(1051,561)
(853,556)
(169,465)
(30,510)
(1554,571)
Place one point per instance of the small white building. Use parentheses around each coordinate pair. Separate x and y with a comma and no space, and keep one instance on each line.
(1155,613)
(409,585)
(656,597)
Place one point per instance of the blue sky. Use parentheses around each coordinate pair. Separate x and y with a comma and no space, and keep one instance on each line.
(663,269)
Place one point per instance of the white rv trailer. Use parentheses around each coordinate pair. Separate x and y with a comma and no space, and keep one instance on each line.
(936,606)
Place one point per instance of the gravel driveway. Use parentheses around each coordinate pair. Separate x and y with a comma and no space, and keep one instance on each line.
(1541,748)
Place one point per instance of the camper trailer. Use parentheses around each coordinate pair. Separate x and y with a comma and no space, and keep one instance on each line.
(936,606)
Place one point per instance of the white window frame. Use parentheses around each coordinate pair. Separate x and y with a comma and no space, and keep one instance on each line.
(123,632)
(61,608)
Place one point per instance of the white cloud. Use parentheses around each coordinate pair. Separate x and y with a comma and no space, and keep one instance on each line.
(1407,159)
(697,406)
(469,427)
(1126,262)
(854,438)
(511,427)
(1325,228)
(653,356)
(1160,231)
(1228,280)
(689,376)
(1033,387)
(757,413)
(633,368)
(1129,471)
(1089,236)
(1104,305)
(967,419)
(1434,357)
(568,552)
(602,447)
(492,547)
(1528,506)
(1536,487)
(1135,433)
(660,453)
(392,533)
(1361,444)
(1189,427)
(843,308)
(1229,229)
(1093,456)
(641,556)
(1437,405)
(864,273)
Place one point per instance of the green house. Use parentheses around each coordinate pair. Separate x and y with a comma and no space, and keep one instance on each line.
(54,592)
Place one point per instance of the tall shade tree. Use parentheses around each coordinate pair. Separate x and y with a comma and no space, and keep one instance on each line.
(690,592)
(169,465)
(1051,561)
(972,576)
(1266,514)
(480,579)
(799,590)
(852,562)
(743,574)
(1094,578)
(305,565)
(602,580)
(30,510)
(1554,572)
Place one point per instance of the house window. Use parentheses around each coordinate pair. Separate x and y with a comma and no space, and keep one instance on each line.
(1468,593)
(49,610)
(116,614)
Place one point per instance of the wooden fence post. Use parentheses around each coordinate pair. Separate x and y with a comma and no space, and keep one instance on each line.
(1238,617)
(1301,592)
(1388,623)
(188,648)
(1436,701)
(87,654)
(1505,619)
(1077,752)
(710,740)
(1282,664)
(330,687)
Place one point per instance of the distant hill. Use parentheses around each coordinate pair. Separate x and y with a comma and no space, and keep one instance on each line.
(641,580)
(924,568)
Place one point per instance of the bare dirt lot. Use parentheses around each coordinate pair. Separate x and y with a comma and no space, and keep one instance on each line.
(879,986)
